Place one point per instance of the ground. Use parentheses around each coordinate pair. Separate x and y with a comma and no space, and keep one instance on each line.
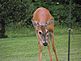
(26,48)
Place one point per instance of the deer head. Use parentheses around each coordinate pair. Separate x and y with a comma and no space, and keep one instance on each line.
(42,31)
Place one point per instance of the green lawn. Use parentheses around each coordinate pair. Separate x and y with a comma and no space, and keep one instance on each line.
(26,48)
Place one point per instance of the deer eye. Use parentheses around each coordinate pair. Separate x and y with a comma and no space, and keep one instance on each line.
(40,32)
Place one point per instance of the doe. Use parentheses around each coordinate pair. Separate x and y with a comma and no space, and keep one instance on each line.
(43,23)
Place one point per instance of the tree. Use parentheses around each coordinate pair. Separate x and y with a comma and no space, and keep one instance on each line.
(2,28)
(33,0)
(13,10)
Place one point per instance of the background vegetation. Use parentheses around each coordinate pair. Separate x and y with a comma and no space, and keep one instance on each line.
(19,12)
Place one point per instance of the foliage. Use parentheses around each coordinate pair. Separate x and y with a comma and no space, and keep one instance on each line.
(13,10)
(20,12)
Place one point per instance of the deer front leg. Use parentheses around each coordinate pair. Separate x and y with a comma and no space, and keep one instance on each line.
(49,52)
(40,52)
(53,46)
(39,49)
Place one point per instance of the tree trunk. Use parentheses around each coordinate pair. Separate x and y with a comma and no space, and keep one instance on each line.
(2,28)
(33,0)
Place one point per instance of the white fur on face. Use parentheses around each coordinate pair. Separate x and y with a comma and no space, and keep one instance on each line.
(46,36)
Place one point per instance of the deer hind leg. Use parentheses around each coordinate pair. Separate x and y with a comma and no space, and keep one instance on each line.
(53,46)
(49,52)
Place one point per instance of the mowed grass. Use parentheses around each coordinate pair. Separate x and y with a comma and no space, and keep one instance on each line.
(26,48)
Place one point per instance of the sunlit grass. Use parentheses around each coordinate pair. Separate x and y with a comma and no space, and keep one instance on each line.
(25,48)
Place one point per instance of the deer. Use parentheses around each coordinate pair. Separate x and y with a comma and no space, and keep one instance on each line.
(43,23)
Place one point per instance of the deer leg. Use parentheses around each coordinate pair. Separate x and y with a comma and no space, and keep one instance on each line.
(53,46)
(39,50)
(40,53)
(49,52)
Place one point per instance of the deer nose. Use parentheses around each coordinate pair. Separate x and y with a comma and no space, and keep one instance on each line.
(45,44)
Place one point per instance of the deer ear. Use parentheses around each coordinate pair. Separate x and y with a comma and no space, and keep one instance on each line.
(50,22)
(35,23)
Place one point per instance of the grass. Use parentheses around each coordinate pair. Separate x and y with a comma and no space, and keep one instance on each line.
(26,48)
